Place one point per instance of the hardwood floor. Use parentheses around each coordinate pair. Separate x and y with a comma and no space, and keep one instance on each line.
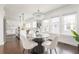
(67,49)
(12,46)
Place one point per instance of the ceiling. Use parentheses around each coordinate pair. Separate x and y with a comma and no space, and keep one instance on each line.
(13,11)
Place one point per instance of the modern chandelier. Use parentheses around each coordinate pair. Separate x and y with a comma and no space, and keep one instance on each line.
(38,16)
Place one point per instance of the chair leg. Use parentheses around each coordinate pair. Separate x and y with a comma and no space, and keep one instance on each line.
(23,51)
(28,51)
(45,50)
(50,51)
(55,51)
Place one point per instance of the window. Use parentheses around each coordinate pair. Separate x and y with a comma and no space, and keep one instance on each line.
(55,25)
(34,24)
(45,26)
(69,23)
(28,25)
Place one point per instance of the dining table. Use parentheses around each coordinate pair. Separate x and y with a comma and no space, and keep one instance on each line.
(39,49)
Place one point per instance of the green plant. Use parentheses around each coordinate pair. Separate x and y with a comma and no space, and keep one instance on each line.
(75,35)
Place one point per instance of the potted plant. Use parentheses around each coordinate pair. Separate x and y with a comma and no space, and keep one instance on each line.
(75,35)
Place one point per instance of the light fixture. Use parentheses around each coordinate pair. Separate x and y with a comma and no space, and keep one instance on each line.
(38,15)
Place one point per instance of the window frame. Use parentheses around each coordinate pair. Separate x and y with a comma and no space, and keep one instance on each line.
(73,13)
(55,22)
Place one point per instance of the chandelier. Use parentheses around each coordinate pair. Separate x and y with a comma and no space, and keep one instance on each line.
(38,15)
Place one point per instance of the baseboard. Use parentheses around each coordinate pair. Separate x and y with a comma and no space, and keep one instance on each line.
(67,44)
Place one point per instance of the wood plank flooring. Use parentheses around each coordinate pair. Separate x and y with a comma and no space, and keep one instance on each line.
(12,46)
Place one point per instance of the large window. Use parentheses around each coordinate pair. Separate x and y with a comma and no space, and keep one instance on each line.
(33,24)
(45,25)
(28,25)
(69,22)
(55,25)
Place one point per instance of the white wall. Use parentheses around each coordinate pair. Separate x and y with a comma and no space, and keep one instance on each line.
(1,25)
(11,26)
(60,12)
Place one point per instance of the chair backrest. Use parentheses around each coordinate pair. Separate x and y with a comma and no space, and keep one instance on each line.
(52,36)
(54,42)
(27,44)
(24,41)
(45,36)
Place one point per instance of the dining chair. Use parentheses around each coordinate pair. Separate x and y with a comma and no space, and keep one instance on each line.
(45,36)
(51,45)
(27,44)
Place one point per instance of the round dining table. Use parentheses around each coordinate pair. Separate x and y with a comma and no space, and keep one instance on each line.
(39,49)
